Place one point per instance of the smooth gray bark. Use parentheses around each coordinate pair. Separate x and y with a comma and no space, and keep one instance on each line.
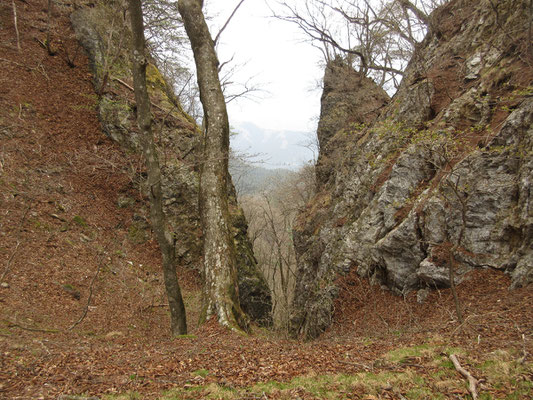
(221,297)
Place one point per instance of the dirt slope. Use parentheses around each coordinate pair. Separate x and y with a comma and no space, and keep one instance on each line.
(60,225)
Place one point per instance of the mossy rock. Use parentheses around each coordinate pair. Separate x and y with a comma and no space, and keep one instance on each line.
(138,233)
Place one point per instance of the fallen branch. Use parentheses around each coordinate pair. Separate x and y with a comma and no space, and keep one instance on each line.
(472,382)
(11,324)
(522,359)
(123,84)
(9,261)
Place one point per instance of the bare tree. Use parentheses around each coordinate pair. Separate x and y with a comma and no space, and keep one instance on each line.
(221,297)
(377,37)
(113,47)
(271,216)
(158,219)
(167,41)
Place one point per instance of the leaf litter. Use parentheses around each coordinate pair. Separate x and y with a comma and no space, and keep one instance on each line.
(58,168)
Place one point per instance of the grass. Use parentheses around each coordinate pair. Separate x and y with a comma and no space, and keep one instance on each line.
(504,378)
(201,372)
(338,386)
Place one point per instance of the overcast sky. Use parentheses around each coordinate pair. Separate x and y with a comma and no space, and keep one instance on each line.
(285,67)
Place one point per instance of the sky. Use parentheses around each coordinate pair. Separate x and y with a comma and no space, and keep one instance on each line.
(284,66)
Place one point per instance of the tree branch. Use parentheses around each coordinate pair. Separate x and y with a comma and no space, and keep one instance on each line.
(421,15)
(227,22)
(472,382)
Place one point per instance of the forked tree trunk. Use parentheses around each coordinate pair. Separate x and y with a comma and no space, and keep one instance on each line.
(221,297)
(158,219)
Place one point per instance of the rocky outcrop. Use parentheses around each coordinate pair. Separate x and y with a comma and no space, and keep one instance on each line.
(178,140)
(442,177)
(348,100)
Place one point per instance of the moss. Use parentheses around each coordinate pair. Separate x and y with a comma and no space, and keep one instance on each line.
(137,234)
(154,77)
(80,221)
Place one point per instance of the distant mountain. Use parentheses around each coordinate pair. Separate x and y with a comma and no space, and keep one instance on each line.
(251,179)
(275,149)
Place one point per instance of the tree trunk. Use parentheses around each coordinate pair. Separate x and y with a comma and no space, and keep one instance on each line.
(158,219)
(221,297)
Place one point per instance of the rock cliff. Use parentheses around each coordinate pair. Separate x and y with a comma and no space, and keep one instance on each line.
(179,143)
(438,177)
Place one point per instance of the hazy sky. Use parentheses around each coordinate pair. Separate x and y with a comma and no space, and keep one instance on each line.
(281,64)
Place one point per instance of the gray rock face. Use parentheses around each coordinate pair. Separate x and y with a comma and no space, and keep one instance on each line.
(348,100)
(444,173)
(180,152)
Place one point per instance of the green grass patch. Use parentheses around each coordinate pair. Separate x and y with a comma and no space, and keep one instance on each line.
(125,396)
(399,355)
(501,371)
(340,386)
(201,372)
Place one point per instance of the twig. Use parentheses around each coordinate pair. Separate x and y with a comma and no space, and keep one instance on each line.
(227,22)
(472,382)
(522,359)
(16,25)
(27,328)
(472,316)
(6,270)
(123,84)
(10,260)
(84,314)
(16,63)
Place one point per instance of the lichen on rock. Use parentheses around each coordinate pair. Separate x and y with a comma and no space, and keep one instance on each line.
(445,168)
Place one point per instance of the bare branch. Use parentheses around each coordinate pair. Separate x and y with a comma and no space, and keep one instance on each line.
(227,22)
(472,382)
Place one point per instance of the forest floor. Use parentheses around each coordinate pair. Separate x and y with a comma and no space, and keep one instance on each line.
(82,307)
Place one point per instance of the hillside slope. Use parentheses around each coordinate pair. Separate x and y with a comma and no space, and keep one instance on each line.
(66,238)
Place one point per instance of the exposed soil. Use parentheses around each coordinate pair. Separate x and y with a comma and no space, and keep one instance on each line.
(60,225)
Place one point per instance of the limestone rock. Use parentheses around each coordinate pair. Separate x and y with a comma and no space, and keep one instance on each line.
(446,165)
(180,149)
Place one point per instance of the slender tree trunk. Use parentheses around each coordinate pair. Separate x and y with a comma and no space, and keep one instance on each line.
(15,23)
(48,29)
(221,297)
(158,219)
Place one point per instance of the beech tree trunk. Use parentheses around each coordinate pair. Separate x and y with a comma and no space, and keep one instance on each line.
(221,297)
(164,238)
